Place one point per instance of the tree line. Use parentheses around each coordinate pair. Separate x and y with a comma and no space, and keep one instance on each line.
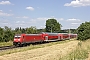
(83,31)
(7,34)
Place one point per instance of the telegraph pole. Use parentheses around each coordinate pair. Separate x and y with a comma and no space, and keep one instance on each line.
(69,33)
(51,29)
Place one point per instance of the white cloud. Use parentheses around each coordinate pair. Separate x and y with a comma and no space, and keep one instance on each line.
(75,23)
(41,27)
(4,14)
(38,22)
(59,19)
(25,17)
(71,23)
(78,3)
(5,23)
(45,18)
(42,18)
(74,20)
(30,8)
(17,21)
(5,2)
(20,23)
(1,11)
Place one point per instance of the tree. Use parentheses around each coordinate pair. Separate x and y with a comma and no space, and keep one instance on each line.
(23,30)
(31,30)
(40,30)
(83,31)
(1,34)
(18,30)
(52,25)
(73,31)
(8,34)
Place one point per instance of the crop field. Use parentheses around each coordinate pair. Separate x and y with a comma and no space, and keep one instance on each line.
(55,49)
(61,50)
(30,47)
(82,52)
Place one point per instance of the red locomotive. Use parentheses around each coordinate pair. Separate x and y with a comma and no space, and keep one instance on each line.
(21,39)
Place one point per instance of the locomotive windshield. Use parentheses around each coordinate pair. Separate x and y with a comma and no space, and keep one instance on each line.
(17,37)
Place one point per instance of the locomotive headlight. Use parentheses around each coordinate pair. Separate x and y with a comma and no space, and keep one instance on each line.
(18,39)
(14,39)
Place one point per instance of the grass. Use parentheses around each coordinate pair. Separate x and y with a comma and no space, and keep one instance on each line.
(6,43)
(81,52)
(78,54)
(21,49)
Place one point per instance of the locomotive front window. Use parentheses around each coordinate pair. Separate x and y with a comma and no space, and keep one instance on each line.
(17,37)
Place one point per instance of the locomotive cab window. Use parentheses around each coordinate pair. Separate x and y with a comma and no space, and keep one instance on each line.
(17,37)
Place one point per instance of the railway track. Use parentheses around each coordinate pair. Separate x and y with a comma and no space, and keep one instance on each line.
(12,47)
(7,47)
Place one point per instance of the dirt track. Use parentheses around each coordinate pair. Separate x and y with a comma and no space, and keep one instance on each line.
(54,52)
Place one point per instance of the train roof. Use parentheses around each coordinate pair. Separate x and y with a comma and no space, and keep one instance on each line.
(53,33)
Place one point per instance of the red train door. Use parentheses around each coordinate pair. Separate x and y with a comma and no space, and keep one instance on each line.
(46,38)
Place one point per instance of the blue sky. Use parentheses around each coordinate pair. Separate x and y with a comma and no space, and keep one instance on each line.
(26,13)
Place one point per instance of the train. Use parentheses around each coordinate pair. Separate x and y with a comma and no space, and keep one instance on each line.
(22,39)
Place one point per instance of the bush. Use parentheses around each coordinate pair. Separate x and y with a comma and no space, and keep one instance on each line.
(83,31)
